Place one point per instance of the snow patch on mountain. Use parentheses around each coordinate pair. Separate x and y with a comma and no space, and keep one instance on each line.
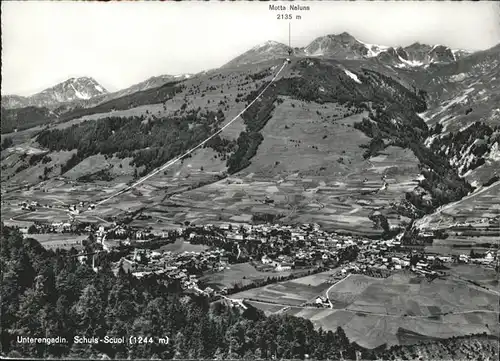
(267,43)
(78,94)
(461,99)
(430,140)
(424,116)
(352,76)
(373,49)
(494,154)
(408,63)
(465,127)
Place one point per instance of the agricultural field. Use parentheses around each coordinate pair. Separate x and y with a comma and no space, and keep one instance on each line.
(290,293)
(403,294)
(457,247)
(371,331)
(14,216)
(56,195)
(267,308)
(396,310)
(486,277)
(348,289)
(343,206)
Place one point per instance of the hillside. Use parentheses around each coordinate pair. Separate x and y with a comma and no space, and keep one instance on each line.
(339,140)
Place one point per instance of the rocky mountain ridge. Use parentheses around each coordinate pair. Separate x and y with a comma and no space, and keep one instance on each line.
(345,46)
(73,89)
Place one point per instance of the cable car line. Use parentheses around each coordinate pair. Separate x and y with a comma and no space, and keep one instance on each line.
(175,160)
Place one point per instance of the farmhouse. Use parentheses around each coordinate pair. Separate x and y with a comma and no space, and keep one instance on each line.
(464,258)
(283,267)
(234,236)
(320,300)
(421,265)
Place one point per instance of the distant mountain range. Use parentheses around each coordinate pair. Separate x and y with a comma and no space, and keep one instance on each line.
(345,46)
(82,91)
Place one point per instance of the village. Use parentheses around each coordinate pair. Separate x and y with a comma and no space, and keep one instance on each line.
(270,248)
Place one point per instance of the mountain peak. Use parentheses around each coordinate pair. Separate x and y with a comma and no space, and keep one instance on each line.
(74,88)
(82,78)
(342,45)
(345,34)
(268,50)
(268,44)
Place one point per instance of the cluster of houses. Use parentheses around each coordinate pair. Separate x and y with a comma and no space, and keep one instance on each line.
(489,259)
(185,267)
(81,206)
(281,247)
(53,227)
(29,206)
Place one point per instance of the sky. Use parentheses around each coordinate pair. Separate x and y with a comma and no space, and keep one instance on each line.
(122,43)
